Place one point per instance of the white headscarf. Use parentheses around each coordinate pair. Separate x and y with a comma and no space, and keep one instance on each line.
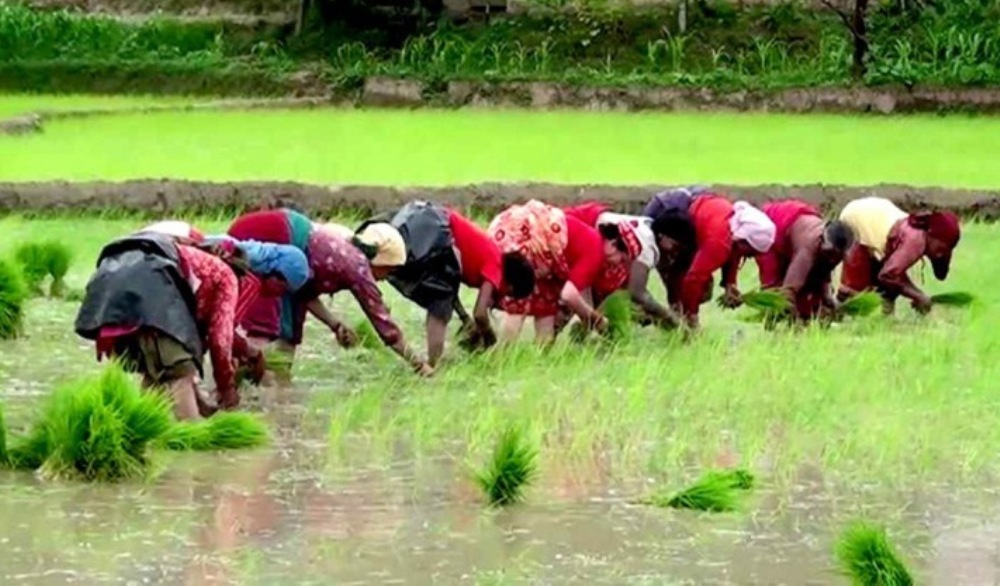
(750,224)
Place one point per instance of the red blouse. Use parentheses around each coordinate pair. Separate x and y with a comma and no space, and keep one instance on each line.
(479,255)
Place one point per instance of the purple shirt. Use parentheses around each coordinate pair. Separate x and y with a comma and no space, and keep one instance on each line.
(336,265)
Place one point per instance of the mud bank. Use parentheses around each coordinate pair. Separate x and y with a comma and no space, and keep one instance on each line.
(162,197)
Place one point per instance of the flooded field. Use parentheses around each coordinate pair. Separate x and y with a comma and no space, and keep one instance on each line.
(368,478)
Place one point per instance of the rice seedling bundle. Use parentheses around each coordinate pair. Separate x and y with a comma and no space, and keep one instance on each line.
(862,304)
(100,428)
(511,467)
(40,260)
(223,431)
(717,492)
(868,559)
(472,339)
(768,301)
(367,336)
(617,308)
(13,294)
(953,299)
(278,361)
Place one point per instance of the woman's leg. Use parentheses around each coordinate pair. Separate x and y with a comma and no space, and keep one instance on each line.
(545,329)
(510,327)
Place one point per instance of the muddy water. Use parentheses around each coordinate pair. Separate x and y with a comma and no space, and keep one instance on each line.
(296,513)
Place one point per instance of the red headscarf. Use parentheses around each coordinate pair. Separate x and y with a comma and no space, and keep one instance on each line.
(627,231)
(944,227)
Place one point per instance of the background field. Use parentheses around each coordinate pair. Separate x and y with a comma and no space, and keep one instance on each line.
(457,147)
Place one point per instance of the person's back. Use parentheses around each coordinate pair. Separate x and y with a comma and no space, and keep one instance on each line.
(872,219)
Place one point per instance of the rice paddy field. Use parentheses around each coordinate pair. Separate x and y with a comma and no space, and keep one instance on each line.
(371,474)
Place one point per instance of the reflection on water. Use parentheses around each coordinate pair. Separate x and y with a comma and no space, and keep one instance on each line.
(297,513)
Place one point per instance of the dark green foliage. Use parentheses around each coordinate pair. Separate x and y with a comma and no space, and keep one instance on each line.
(617,308)
(511,468)
(862,304)
(222,431)
(954,299)
(868,559)
(717,492)
(100,428)
(13,295)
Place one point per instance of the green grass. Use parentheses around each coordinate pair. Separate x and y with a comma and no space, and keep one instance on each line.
(868,559)
(449,147)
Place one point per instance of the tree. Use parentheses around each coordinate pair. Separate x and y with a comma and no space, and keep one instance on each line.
(855,18)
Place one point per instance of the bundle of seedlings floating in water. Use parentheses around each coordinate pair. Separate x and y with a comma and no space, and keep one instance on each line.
(222,431)
(511,468)
(868,559)
(953,299)
(861,305)
(13,295)
(41,260)
(104,428)
(717,491)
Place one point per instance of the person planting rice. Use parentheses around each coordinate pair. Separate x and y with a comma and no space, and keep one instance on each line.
(806,250)
(637,230)
(567,256)
(443,249)
(158,304)
(337,264)
(269,319)
(711,234)
(889,242)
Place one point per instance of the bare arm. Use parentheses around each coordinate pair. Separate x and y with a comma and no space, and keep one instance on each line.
(484,301)
(324,315)
(637,287)
(571,296)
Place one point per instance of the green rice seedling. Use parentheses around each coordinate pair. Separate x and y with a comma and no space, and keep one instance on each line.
(40,260)
(30,452)
(100,428)
(278,361)
(367,336)
(738,478)
(954,299)
(222,431)
(511,467)
(862,304)
(714,492)
(868,559)
(34,266)
(13,294)
(617,308)
(58,258)
(769,301)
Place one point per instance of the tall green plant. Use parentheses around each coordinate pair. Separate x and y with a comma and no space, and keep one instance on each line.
(13,296)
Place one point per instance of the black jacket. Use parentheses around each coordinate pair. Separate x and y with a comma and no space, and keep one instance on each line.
(139,282)
(431,276)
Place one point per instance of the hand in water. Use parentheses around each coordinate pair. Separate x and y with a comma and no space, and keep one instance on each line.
(425,370)
(922,305)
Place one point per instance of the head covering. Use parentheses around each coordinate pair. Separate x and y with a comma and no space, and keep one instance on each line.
(672,198)
(750,224)
(628,230)
(266,258)
(943,226)
(388,243)
(336,229)
(535,230)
